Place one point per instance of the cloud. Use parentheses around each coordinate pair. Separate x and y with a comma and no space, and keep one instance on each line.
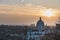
(29,9)
(45,3)
(22,1)
(14,9)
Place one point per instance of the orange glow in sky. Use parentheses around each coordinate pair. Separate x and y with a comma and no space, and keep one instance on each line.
(49,13)
(15,14)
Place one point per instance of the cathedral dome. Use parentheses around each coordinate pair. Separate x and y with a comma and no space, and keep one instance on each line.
(40,24)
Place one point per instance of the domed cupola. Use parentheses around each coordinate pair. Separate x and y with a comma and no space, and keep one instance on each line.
(40,24)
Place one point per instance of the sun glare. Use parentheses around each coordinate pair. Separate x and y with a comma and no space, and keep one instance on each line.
(49,13)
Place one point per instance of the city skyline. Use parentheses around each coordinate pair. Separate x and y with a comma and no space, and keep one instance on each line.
(25,12)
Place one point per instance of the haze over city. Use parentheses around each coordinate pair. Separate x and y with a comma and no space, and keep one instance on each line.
(25,12)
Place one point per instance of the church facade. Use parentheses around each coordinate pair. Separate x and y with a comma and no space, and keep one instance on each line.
(38,33)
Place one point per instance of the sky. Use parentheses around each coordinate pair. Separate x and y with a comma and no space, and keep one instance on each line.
(26,12)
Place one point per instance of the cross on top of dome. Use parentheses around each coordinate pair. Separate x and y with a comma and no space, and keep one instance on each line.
(40,18)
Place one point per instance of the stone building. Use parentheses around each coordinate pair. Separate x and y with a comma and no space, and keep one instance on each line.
(37,33)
